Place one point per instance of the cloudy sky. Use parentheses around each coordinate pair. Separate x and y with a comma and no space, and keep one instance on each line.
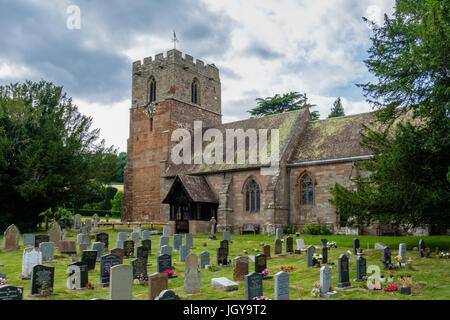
(261,48)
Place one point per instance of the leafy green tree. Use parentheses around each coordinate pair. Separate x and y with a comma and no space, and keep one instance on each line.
(121,163)
(337,110)
(279,104)
(48,153)
(117,201)
(408,185)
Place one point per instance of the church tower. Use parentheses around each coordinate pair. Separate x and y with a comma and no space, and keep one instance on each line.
(179,91)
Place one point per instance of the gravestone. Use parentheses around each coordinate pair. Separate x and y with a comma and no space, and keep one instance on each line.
(95,221)
(289,245)
(323,242)
(89,257)
(10,292)
(122,236)
(30,258)
(253,285)
(48,251)
(102,237)
(157,283)
(226,235)
(343,270)
(99,247)
(163,263)
(142,252)
(79,238)
(325,283)
(128,249)
(324,254)
(184,252)
(387,257)
(147,243)
(28,239)
(42,278)
(85,240)
(204,259)
(240,268)
(40,238)
(191,275)
(106,263)
(167,250)
(67,247)
(189,240)
(223,284)
(83,273)
(266,251)
(121,283)
(277,246)
(260,263)
(421,248)
(167,231)
(135,236)
(282,286)
(167,295)
(402,252)
(300,244)
(163,241)
(360,268)
(118,252)
(119,244)
(222,256)
(76,223)
(88,225)
(177,241)
(54,232)
(355,245)
(73,277)
(139,267)
(63,234)
(309,256)
(146,235)
(279,233)
(225,244)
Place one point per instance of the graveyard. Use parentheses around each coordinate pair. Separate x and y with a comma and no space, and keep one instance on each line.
(241,267)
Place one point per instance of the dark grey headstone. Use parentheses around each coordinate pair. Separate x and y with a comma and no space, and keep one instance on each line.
(102,237)
(177,241)
(387,258)
(40,238)
(163,263)
(89,257)
(147,243)
(360,268)
(222,256)
(253,285)
(142,252)
(42,279)
(106,263)
(260,263)
(421,247)
(139,266)
(289,244)
(324,254)
(167,295)
(128,249)
(355,245)
(343,270)
(10,292)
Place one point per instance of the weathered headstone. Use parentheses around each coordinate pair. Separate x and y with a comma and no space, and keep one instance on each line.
(119,244)
(102,237)
(157,283)
(282,285)
(42,278)
(82,273)
(355,245)
(260,263)
(189,240)
(28,239)
(360,268)
(279,233)
(226,235)
(309,255)
(324,254)
(289,245)
(240,268)
(118,252)
(121,283)
(106,263)
(99,247)
(223,284)
(168,250)
(54,232)
(89,257)
(76,223)
(48,251)
(147,243)
(146,235)
(30,258)
(139,266)
(323,242)
(128,249)
(325,283)
(266,250)
(163,241)
(167,231)
(135,236)
(177,241)
(402,252)
(73,277)
(10,292)
(142,252)
(204,259)
(67,247)
(122,236)
(300,244)
(277,246)
(387,258)
(421,248)
(40,238)
(253,285)
(167,295)
(343,270)
(191,275)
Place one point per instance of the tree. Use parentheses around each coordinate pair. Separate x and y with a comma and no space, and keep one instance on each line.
(279,104)
(49,156)
(337,110)
(408,185)
(117,202)
(121,163)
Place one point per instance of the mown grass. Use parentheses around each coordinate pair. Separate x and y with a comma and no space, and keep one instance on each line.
(430,275)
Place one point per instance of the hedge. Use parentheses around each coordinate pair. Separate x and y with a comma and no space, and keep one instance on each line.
(91,212)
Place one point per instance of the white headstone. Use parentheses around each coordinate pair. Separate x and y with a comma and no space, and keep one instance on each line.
(121,282)
(30,258)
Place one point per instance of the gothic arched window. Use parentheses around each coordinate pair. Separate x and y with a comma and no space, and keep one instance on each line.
(152,90)
(307,190)
(195,88)
(252,196)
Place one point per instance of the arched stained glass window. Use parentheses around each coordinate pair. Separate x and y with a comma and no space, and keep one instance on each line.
(152,90)
(307,190)
(252,197)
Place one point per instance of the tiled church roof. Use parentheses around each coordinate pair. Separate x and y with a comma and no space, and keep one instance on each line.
(196,187)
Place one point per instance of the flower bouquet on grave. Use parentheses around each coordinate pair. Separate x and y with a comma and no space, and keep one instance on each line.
(391,288)
(169,272)
(331,244)
(45,289)
(213,268)
(315,291)
(90,286)
(287,268)
(316,258)
(2,281)
(406,285)
(442,255)
(260,298)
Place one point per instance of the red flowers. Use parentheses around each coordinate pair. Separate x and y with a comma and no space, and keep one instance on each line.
(287,268)
(391,287)
(169,272)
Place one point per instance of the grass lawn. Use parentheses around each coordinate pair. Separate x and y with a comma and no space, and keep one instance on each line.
(430,275)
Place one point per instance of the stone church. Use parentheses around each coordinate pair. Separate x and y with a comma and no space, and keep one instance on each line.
(314,155)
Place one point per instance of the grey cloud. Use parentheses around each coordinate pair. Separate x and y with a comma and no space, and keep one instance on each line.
(261,51)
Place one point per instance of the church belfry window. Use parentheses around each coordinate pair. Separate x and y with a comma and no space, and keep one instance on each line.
(195,89)
(252,196)
(152,90)
(307,190)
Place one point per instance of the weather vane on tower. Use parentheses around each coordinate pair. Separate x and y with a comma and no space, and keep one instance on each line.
(174,40)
